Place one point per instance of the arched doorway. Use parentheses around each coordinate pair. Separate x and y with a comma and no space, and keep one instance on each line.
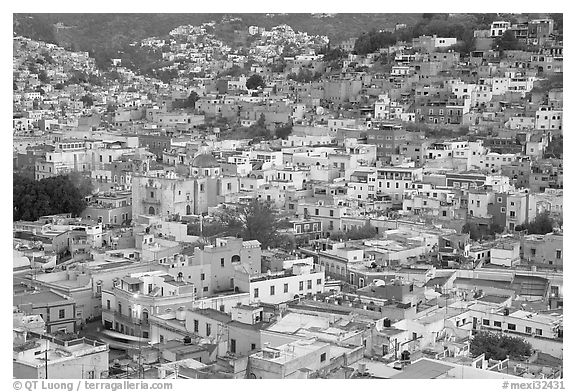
(151,211)
(235,259)
(188,210)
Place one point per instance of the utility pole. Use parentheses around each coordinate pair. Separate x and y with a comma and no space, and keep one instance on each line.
(46,360)
(140,350)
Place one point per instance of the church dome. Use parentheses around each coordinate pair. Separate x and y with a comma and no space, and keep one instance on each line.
(205,160)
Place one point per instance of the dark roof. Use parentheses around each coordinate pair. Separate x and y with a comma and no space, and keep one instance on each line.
(214,315)
(205,160)
(439,280)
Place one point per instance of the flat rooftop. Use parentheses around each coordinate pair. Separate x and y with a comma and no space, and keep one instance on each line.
(38,298)
(423,369)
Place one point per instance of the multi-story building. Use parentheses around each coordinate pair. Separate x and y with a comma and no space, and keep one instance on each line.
(223,258)
(57,310)
(393,181)
(126,308)
(543,250)
(40,356)
(301,280)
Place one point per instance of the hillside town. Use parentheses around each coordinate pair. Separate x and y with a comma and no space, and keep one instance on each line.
(279,205)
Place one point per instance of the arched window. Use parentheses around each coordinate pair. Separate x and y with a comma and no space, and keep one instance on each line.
(151,211)
(188,210)
(235,259)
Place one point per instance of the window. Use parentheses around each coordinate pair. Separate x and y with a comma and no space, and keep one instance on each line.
(533,252)
(61,313)
(232,345)
(301,286)
(285,287)
(253,346)
(498,324)
(205,289)
(272,290)
(331,212)
(485,322)
(208,329)
(222,262)
(512,327)
(322,357)
(196,326)
(309,284)
(528,330)
(538,332)
(558,254)
(202,276)
(319,281)
(108,304)
(256,293)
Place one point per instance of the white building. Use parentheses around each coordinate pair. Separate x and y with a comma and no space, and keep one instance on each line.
(274,288)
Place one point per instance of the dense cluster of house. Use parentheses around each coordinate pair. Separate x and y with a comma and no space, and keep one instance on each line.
(362,157)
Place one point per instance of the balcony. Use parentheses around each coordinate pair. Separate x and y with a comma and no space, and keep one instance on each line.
(149,200)
(125,318)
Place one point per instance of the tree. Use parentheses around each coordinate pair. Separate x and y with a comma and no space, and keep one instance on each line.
(278,66)
(88,100)
(542,224)
(364,232)
(283,132)
(499,346)
(43,76)
(506,41)
(333,54)
(261,121)
(255,221)
(555,148)
(189,102)
(192,98)
(472,229)
(53,195)
(338,236)
(254,82)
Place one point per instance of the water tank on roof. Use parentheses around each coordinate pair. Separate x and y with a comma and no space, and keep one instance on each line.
(181,314)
